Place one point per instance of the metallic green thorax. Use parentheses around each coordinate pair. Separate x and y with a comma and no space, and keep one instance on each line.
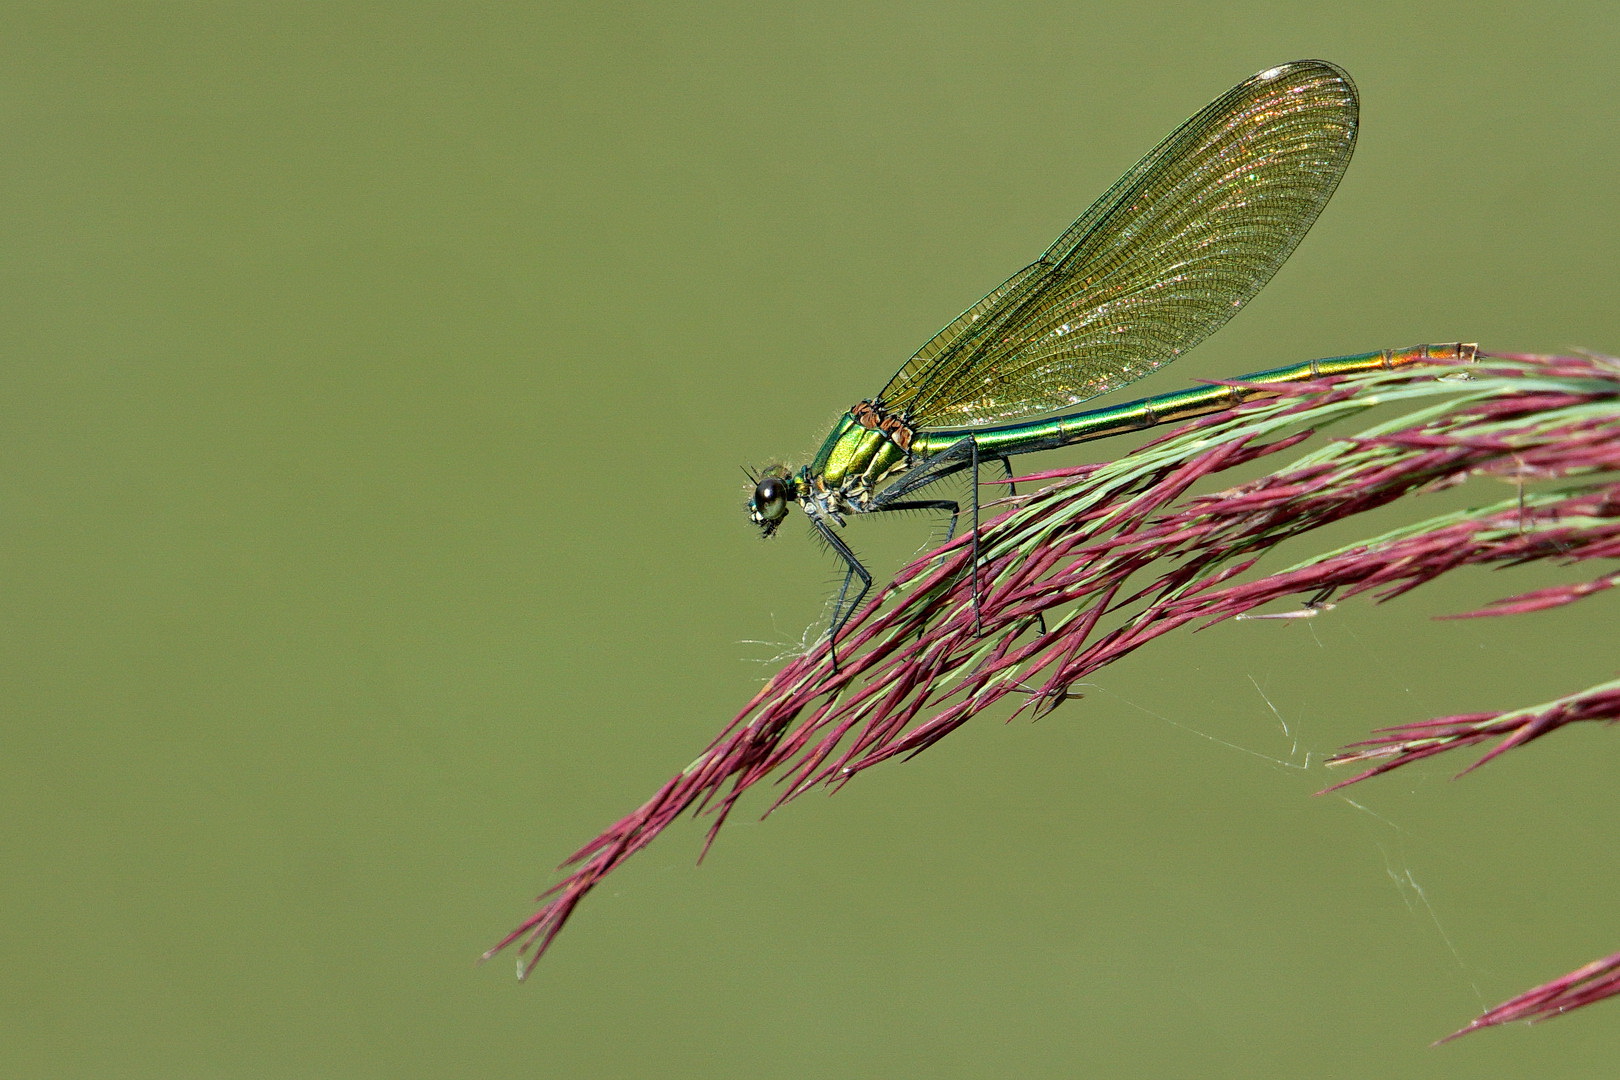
(855,459)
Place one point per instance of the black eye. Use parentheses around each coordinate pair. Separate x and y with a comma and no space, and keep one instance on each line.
(771,498)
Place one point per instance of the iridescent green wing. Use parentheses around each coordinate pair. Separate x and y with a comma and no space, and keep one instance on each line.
(1171,252)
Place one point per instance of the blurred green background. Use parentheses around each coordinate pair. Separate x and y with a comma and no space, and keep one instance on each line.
(375,383)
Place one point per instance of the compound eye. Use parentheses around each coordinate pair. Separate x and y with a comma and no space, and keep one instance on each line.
(771,498)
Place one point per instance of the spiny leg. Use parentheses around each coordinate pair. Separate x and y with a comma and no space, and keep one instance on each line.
(1012,490)
(960,455)
(978,619)
(954,509)
(852,569)
(952,459)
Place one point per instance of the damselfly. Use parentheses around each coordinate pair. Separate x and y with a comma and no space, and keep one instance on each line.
(1166,256)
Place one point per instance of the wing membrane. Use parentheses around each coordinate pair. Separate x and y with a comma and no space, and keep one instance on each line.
(1167,255)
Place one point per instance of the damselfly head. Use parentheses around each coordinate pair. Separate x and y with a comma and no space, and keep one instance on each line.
(773,494)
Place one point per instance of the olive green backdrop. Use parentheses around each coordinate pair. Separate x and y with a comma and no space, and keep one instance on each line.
(373,385)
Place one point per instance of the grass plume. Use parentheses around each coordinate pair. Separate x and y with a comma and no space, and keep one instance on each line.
(1108,557)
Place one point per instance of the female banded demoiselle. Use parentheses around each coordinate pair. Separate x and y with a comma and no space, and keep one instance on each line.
(1168,254)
